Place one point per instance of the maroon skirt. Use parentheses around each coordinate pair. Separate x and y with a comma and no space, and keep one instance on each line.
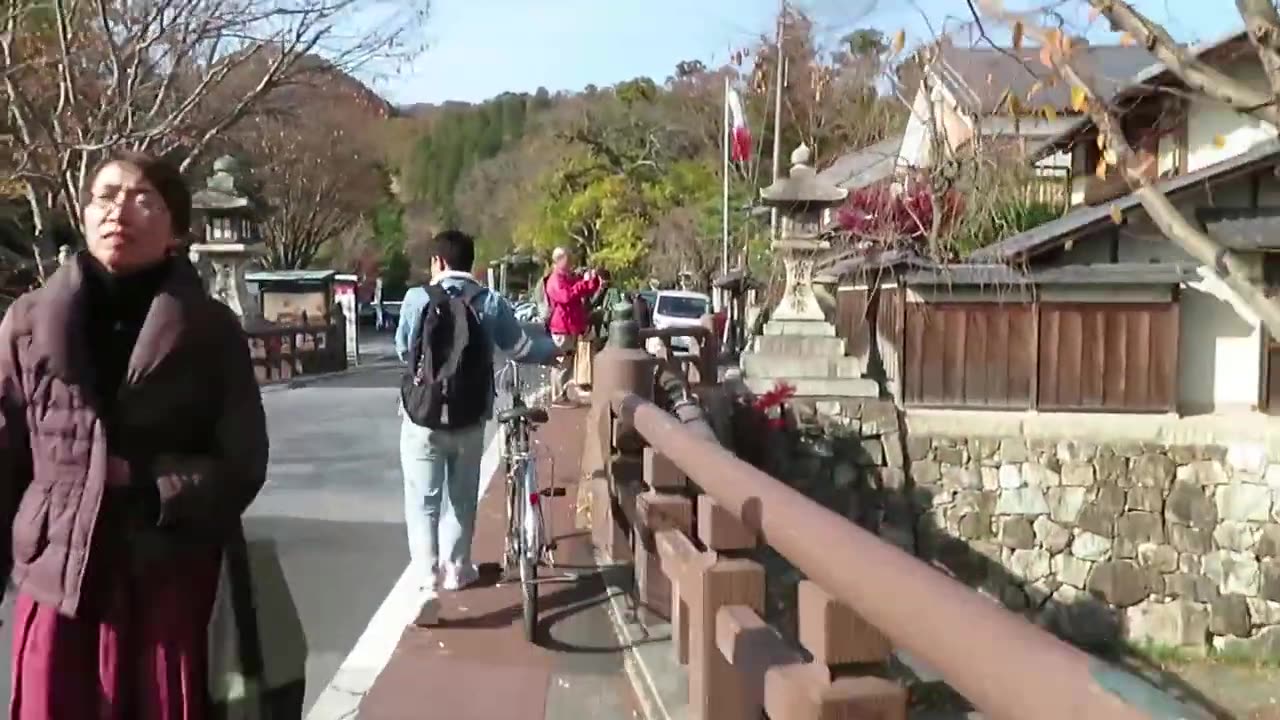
(139,651)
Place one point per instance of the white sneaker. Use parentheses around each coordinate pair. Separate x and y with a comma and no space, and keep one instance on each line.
(459,578)
(430,613)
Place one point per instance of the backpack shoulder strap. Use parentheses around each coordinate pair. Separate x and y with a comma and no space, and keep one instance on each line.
(471,291)
(459,309)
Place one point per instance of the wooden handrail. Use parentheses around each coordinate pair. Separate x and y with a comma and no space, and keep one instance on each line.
(1006,666)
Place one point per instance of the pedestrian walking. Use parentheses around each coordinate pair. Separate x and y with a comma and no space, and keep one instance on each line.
(448,332)
(132,438)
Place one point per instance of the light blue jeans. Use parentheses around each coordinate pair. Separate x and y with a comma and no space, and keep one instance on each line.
(441,489)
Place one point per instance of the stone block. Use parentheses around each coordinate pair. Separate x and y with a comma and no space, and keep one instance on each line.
(1016,533)
(1269,542)
(1160,558)
(1120,582)
(1152,471)
(1272,477)
(1088,546)
(1263,613)
(1078,474)
(1188,505)
(975,526)
(926,472)
(892,479)
(1050,535)
(1249,458)
(1270,581)
(1145,498)
(984,450)
(894,452)
(917,448)
(1230,616)
(1112,469)
(949,455)
(961,477)
(871,452)
(1187,539)
(1233,572)
(1140,527)
(1264,645)
(1177,624)
(1072,570)
(1022,501)
(1010,476)
(1013,450)
(990,478)
(1038,474)
(1204,473)
(1072,451)
(1238,536)
(799,345)
(1065,503)
(1183,454)
(1243,502)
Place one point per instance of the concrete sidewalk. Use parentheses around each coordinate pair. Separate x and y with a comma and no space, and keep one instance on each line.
(476,665)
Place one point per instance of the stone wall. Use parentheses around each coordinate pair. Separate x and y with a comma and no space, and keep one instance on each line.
(1172,546)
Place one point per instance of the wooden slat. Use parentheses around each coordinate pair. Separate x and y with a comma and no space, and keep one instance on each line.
(998,354)
(1164,359)
(953,369)
(975,358)
(1093,356)
(1022,351)
(931,388)
(1137,366)
(1117,360)
(1050,325)
(1070,351)
(851,321)
(913,349)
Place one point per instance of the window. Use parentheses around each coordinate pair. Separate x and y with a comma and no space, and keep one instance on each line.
(682,307)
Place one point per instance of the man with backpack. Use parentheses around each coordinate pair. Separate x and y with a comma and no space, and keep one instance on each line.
(448,333)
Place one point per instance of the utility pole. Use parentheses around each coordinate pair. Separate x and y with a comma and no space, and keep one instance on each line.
(779,81)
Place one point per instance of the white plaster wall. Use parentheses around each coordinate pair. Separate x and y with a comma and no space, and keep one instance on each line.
(916,149)
(1239,132)
(1219,353)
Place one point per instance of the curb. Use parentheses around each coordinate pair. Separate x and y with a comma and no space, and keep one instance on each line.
(302,381)
(640,671)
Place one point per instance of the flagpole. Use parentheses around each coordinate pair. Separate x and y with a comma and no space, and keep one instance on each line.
(777,113)
(724,219)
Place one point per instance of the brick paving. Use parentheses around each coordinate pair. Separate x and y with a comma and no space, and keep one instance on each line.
(476,665)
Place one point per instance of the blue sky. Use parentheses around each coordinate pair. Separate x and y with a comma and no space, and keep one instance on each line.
(479,48)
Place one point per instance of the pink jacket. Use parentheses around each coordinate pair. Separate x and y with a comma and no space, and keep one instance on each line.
(567,295)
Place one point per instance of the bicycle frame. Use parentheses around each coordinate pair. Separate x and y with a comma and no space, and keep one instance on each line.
(524,507)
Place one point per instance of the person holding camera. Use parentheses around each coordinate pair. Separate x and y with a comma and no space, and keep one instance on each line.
(568,295)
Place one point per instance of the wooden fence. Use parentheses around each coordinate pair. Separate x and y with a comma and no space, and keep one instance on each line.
(1052,356)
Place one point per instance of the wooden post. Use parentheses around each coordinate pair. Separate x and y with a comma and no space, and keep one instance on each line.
(680,561)
(716,690)
(656,511)
(752,648)
(834,633)
(795,692)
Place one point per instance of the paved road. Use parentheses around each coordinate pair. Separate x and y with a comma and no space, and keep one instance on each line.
(326,534)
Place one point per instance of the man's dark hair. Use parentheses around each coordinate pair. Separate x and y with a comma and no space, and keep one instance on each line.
(162,175)
(455,248)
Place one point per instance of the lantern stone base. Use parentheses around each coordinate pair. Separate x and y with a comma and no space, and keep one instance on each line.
(227,264)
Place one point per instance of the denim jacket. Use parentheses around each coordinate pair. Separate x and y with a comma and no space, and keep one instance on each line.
(496,316)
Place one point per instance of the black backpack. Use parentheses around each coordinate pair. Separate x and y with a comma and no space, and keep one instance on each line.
(449,383)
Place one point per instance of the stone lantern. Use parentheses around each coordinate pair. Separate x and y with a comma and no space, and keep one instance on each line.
(799,347)
(230,239)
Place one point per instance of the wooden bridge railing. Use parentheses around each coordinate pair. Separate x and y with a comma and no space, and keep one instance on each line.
(691,527)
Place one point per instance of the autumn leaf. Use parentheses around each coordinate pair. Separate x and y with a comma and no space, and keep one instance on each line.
(1101,169)
(1117,217)
(1109,155)
(1036,87)
(1046,56)
(899,42)
(1079,98)
(1219,141)
(1017,35)
(1049,113)
(1127,40)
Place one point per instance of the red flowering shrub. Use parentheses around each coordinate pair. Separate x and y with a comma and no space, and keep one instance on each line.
(881,214)
(770,404)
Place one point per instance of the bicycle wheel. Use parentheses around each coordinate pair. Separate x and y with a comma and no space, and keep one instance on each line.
(529,589)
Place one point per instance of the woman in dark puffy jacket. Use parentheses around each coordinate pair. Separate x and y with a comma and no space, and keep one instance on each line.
(133,438)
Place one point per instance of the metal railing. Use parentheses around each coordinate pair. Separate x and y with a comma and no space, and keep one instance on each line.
(689,515)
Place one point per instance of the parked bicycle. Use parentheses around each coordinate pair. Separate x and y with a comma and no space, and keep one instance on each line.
(527,545)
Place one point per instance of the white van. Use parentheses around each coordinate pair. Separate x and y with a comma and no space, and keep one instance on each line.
(677,309)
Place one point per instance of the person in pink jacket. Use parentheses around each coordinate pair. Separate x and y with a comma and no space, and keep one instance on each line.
(567,296)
